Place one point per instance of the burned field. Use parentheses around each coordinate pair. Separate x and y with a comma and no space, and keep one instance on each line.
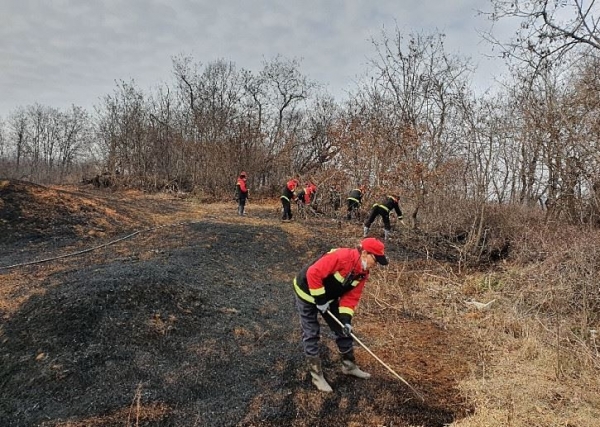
(190,321)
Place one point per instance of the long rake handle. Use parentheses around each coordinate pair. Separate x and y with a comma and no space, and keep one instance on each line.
(419,395)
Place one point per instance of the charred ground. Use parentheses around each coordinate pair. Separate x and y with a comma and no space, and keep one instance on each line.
(190,320)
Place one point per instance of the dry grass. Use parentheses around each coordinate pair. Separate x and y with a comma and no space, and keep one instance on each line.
(530,360)
(521,379)
(537,358)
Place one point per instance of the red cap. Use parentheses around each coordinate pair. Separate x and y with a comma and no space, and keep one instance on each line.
(375,247)
(242,173)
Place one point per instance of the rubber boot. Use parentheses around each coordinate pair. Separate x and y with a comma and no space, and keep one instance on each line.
(386,234)
(365,231)
(350,368)
(314,366)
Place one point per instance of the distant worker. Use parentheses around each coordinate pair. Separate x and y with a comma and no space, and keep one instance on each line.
(288,196)
(354,201)
(335,198)
(333,285)
(383,209)
(241,193)
(310,192)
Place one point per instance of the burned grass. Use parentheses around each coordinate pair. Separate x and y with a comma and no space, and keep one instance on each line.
(194,323)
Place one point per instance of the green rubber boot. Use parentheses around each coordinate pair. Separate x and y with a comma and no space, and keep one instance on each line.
(314,366)
(349,367)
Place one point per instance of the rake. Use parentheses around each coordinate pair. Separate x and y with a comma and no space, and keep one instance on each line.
(419,395)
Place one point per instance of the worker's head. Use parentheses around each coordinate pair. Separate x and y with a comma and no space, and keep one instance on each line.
(242,174)
(372,252)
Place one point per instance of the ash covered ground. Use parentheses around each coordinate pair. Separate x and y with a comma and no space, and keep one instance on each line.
(156,311)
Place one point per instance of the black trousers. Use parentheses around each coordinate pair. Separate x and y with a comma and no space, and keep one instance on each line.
(241,205)
(287,208)
(353,206)
(311,329)
(385,216)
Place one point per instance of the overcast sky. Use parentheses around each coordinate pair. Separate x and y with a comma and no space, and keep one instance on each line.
(63,52)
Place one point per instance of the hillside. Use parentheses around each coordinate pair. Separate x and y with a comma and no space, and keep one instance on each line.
(132,309)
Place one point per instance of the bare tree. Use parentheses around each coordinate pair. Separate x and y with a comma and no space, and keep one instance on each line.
(17,133)
(122,127)
(3,141)
(284,88)
(548,29)
(418,91)
(74,135)
(317,144)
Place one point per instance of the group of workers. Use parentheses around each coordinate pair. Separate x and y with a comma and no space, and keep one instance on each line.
(332,285)
(305,195)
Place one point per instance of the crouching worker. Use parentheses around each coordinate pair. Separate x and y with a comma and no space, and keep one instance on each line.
(334,283)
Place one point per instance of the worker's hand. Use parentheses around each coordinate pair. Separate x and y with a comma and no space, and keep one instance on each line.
(323,307)
(347,329)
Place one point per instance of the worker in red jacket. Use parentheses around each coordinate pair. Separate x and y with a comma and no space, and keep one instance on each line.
(333,285)
(241,193)
(310,192)
(287,196)
(306,196)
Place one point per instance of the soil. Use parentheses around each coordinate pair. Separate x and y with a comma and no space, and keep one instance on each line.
(150,310)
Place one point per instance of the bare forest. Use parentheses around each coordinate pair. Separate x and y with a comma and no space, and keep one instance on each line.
(500,193)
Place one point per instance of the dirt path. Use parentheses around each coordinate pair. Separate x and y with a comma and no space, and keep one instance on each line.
(194,325)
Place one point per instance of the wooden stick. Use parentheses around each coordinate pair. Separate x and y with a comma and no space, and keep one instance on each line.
(378,359)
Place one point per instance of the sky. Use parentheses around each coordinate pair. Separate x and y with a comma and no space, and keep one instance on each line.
(63,52)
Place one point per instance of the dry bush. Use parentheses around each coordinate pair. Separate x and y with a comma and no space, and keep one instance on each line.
(539,358)
(477,234)
(562,285)
(528,375)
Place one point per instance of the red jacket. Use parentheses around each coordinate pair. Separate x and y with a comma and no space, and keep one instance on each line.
(309,192)
(337,275)
(242,190)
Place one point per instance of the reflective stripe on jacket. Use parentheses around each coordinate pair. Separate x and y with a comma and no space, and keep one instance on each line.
(390,203)
(337,275)
(355,195)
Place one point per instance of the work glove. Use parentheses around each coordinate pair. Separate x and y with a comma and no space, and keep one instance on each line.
(347,329)
(323,307)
